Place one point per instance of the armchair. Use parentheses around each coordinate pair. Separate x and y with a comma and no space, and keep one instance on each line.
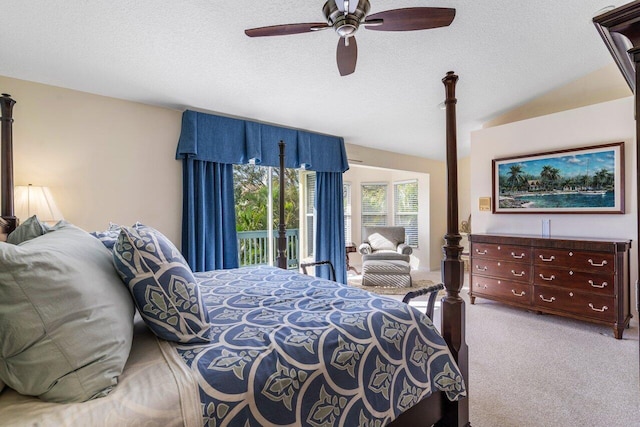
(384,243)
(385,257)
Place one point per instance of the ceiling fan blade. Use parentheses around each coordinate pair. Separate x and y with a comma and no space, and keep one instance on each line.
(347,55)
(286,29)
(412,18)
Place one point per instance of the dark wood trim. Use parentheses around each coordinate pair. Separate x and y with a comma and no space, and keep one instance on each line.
(8,221)
(437,409)
(625,21)
(453,306)
(595,244)
(281,258)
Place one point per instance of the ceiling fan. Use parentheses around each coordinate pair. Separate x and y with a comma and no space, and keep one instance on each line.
(346,16)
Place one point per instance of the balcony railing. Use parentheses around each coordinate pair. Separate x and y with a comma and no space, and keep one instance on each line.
(253,248)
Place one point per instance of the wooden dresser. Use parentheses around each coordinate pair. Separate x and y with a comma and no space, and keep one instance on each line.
(586,279)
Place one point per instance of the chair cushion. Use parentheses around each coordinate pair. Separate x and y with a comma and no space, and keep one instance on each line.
(386,255)
(162,284)
(66,320)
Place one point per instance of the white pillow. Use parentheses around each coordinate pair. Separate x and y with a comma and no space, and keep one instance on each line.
(66,318)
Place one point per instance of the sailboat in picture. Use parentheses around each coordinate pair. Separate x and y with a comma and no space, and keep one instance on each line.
(588,191)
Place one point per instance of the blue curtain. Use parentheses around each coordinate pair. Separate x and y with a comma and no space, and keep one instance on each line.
(209,240)
(227,140)
(210,144)
(330,224)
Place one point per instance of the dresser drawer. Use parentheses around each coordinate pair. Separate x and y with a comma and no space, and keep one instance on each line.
(502,269)
(583,281)
(515,292)
(578,303)
(505,252)
(590,261)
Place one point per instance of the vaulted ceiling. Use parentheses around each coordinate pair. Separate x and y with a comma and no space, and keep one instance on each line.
(194,54)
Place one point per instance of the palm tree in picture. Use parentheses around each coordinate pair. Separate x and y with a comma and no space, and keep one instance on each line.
(516,177)
(549,176)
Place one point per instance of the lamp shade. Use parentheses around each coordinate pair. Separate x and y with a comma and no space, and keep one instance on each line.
(34,200)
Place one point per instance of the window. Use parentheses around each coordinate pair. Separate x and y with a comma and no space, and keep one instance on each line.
(346,194)
(256,195)
(374,204)
(309,209)
(405,196)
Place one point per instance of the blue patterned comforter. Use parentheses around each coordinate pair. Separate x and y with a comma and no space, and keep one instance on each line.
(290,349)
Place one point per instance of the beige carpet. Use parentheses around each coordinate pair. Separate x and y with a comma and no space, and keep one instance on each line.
(529,370)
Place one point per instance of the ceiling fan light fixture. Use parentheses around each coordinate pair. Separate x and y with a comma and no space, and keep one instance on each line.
(346,29)
(345,24)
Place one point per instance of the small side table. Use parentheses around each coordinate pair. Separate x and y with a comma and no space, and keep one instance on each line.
(350,248)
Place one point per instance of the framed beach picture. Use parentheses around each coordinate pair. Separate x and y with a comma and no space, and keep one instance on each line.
(580,180)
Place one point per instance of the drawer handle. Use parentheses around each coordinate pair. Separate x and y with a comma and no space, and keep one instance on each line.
(481,253)
(481,269)
(604,308)
(603,285)
(521,294)
(552,299)
(522,273)
(547,278)
(547,259)
(517,256)
(602,264)
(478,285)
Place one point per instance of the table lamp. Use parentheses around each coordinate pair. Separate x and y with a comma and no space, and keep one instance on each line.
(35,200)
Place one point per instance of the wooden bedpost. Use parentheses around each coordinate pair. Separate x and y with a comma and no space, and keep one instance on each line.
(452,266)
(282,235)
(8,221)
(625,21)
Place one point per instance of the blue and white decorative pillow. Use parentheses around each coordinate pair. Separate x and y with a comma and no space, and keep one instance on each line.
(163,286)
(109,236)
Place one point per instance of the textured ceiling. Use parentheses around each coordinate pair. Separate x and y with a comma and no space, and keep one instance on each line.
(194,54)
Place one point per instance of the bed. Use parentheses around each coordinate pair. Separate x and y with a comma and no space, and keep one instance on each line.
(251,346)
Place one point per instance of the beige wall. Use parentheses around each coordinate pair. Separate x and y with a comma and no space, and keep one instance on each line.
(464,188)
(437,194)
(107,159)
(605,84)
(357,175)
(104,159)
(611,121)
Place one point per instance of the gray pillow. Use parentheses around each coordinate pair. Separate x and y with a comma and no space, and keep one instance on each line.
(30,229)
(66,319)
(382,243)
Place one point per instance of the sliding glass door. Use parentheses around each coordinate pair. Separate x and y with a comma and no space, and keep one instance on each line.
(257,191)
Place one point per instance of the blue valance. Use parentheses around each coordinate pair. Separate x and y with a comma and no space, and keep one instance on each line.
(219,139)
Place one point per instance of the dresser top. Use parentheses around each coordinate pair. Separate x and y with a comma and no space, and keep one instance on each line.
(586,243)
